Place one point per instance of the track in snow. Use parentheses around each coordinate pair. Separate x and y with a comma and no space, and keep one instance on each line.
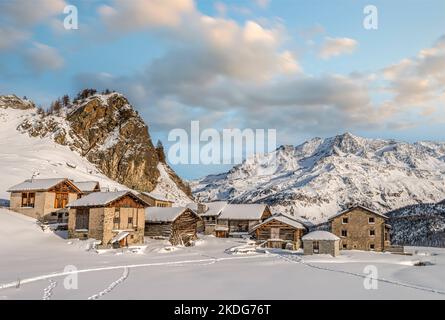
(155,264)
(111,286)
(296,259)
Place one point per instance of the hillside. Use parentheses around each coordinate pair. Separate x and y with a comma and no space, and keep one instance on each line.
(99,137)
(322,176)
(421,224)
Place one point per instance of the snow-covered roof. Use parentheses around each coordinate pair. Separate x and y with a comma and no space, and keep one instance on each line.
(165,214)
(320,235)
(157,196)
(86,186)
(121,235)
(243,211)
(36,184)
(100,199)
(213,208)
(355,207)
(284,219)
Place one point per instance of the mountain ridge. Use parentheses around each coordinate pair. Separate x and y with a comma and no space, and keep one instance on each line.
(322,176)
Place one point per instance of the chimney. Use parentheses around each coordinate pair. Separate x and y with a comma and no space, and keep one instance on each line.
(202,208)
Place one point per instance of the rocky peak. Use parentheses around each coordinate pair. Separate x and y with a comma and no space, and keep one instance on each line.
(347,143)
(108,131)
(14,102)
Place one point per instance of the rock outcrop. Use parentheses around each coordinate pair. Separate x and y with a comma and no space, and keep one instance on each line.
(108,131)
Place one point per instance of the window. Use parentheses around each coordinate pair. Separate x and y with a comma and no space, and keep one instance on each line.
(117,218)
(28,199)
(344,246)
(344,233)
(371,246)
(386,236)
(82,219)
(371,220)
(61,200)
(345,220)
(130,220)
(372,232)
(316,247)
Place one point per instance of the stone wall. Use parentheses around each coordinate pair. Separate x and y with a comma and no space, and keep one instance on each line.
(358,230)
(325,247)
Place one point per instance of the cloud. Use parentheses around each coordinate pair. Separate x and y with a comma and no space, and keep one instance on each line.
(262,3)
(231,74)
(26,13)
(124,15)
(41,58)
(10,37)
(337,46)
(419,81)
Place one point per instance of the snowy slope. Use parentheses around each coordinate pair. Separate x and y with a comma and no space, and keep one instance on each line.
(322,176)
(22,156)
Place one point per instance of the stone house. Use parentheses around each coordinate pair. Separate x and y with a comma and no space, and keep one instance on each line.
(43,199)
(360,228)
(238,219)
(177,224)
(209,213)
(155,200)
(280,231)
(116,219)
(321,242)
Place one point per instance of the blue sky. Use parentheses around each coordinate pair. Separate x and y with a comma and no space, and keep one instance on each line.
(305,68)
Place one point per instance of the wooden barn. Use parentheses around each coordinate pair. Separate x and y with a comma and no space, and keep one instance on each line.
(280,231)
(177,224)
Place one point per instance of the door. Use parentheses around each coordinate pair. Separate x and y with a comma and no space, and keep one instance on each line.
(275,233)
(316,247)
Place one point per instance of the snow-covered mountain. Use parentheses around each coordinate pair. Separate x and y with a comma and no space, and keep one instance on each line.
(96,137)
(322,176)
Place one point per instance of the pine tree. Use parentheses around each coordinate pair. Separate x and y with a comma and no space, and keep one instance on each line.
(65,100)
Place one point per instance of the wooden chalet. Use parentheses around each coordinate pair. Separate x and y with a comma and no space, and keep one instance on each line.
(43,199)
(280,231)
(155,200)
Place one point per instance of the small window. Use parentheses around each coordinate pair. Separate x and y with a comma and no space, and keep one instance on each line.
(372,246)
(372,232)
(386,236)
(345,220)
(371,220)
(130,223)
(344,246)
(344,233)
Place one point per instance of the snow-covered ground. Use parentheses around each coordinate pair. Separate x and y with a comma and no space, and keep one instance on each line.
(32,264)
